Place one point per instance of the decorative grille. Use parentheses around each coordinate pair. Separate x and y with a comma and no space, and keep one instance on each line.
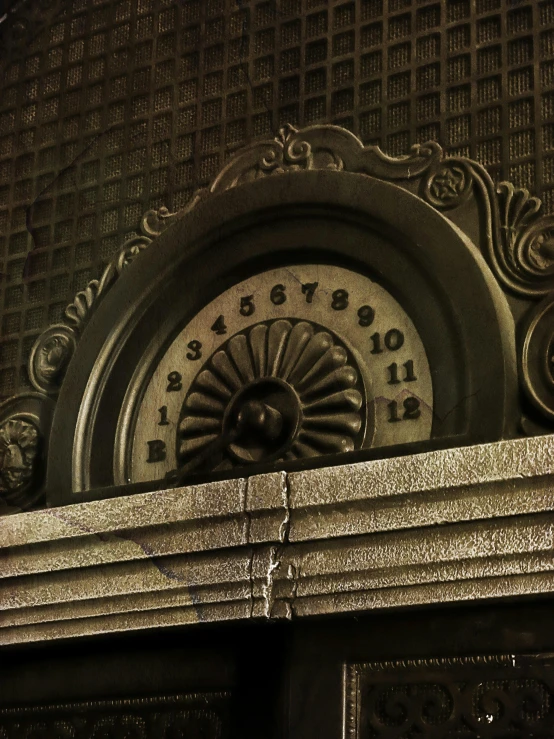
(110,108)
(482,697)
(196,716)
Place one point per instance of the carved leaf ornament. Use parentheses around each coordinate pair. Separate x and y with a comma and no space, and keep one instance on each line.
(528,253)
(277,391)
(519,244)
(18,450)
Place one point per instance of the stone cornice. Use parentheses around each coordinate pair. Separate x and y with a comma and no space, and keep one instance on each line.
(451,525)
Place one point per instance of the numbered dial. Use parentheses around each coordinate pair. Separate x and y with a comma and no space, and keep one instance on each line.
(294,362)
(278,390)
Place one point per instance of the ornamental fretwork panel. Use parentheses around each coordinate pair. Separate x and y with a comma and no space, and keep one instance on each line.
(497,697)
(195,716)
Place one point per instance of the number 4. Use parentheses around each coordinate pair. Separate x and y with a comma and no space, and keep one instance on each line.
(219,326)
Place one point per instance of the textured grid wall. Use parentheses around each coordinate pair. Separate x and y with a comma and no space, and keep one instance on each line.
(115,107)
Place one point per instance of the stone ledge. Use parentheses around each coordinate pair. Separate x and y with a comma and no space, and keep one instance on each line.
(452,525)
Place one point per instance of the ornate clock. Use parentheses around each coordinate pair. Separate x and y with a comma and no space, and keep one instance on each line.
(290,363)
(319,300)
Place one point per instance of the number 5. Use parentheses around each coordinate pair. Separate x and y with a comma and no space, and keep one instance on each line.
(247,307)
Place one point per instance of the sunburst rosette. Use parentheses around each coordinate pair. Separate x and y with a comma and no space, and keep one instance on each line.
(278,390)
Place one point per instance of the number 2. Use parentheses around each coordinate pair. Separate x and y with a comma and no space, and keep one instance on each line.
(174,382)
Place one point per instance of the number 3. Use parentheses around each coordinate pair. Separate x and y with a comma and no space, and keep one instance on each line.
(195,352)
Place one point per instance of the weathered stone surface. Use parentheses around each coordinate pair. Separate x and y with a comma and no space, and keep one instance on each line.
(446,470)
(453,525)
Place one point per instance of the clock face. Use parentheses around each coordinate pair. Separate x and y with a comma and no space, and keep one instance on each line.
(293,362)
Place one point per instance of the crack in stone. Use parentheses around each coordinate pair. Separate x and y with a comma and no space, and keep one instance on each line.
(247,519)
(275,562)
(251,583)
(247,523)
(293,573)
(267,588)
(285,496)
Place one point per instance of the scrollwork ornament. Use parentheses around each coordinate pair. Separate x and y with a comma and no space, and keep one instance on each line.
(534,251)
(537,357)
(314,148)
(50,356)
(526,257)
(154,222)
(396,710)
(475,698)
(24,427)
(288,153)
(449,184)
(541,248)
(132,249)
(77,312)
(54,348)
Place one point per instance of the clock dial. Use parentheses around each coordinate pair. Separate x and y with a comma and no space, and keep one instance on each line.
(293,362)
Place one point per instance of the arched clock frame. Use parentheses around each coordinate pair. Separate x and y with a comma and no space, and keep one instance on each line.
(320,302)
(319,219)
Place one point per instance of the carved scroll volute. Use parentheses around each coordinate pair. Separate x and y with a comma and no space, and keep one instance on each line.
(54,348)
(537,357)
(24,429)
(525,252)
(321,147)
(50,356)
(517,241)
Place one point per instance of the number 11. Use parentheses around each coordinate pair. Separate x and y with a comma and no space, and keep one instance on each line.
(408,374)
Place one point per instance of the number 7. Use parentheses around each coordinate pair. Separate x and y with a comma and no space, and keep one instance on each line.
(309,289)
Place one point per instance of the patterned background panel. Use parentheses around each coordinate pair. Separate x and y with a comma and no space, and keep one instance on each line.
(466,698)
(110,107)
(197,716)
